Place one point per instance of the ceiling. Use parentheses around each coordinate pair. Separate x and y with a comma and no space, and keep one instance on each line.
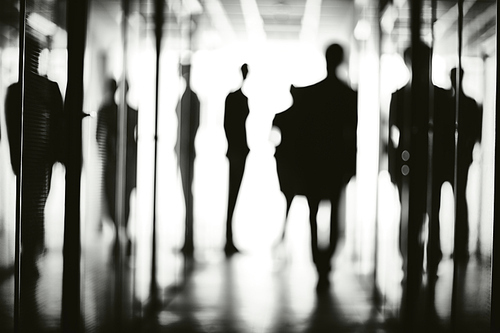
(227,21)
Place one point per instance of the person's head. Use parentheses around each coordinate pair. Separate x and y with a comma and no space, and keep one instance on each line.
(334,56)
(453,77)
(244,71)
(111,85)
(418,57)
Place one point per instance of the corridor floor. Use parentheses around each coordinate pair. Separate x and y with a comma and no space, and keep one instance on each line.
(255,293)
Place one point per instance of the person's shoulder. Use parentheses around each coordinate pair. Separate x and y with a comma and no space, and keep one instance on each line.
(234,93)
(13,87)
(400,91)
(298,91)
(442,91)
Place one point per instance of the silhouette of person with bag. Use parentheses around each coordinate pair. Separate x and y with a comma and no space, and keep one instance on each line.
(317,154)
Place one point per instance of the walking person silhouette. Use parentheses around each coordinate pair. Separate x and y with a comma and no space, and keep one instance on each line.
(317,154)
(235,115)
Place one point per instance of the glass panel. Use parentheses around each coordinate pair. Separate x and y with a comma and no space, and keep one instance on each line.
(42,172)
(475,93)
(203,136)
(9,71)
(442,225)
(112,240)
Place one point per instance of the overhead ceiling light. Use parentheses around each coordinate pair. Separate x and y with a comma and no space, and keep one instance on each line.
(41,24)
(363,30)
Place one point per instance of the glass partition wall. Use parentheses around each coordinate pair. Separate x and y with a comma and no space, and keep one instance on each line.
(438,139)
(115,162)
(9,67)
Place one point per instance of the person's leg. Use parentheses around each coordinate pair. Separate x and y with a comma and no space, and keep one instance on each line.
(461,250)
(236,170)
(313,212)
(334,223)
(434,241)
(289,199)
(187,180)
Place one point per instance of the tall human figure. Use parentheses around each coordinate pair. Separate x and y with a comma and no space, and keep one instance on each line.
(235,115)
(40,145)
(469,133)
(107,139)
(188,115)
(317,153)
(421,158)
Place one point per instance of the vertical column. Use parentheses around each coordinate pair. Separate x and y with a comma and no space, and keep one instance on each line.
(76,26)
(158,21)
(17,253)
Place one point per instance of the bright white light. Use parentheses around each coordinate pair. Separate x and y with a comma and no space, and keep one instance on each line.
(41,24)
(363,30)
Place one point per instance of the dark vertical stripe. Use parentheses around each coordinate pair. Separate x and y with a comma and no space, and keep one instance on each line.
(456,265)
(413,269)
(159,7)
(76,26)
(17,254)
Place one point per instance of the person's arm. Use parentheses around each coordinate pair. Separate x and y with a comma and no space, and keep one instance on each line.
(13,123)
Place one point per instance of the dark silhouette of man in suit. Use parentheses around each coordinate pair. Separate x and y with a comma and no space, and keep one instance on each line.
(107,139)
(35,136)
(235,115)
(188,115)
(469,133)
(40,146)
(317,153)
(421,159)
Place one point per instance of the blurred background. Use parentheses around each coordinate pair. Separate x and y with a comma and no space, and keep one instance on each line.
(112,225)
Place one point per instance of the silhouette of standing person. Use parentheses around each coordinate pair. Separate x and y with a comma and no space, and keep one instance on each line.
(35,136)
(107,139)
(317,153)
(188,115)
(421,158)
(469,133)
(235,115)
(40,145)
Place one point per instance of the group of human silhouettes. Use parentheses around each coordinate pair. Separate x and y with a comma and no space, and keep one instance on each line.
(316,157)
(431,142)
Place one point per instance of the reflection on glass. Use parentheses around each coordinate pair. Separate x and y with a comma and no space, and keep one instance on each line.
(462,216)
(9,70)
(415,240)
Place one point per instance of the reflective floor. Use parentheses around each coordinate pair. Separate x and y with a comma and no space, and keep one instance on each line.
(260,293)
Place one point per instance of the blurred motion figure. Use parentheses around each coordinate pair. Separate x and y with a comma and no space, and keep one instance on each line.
(107,139)
(469,134)
(421,159)
(41,145)
(36,142)
(317,154)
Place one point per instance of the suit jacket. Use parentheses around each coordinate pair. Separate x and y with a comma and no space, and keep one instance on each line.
(317,153)
(409,153)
